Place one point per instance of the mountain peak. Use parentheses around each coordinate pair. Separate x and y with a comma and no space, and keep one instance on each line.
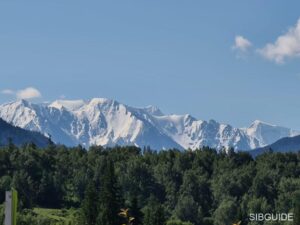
(153,110)
(267,133)
(21,102)
(259,122)
(102,121)
(70,105)
(212,121)
(99,100)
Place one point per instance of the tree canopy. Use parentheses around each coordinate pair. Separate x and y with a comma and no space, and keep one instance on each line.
(201,187)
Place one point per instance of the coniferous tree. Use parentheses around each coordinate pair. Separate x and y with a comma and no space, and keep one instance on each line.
(109,204)
(188,210)
(226,213)
(154,213)
(178,222)
(135,211)
(199,186)
(89,211)
(297,208)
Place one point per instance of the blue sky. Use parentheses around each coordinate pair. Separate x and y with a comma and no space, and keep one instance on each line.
(177,55)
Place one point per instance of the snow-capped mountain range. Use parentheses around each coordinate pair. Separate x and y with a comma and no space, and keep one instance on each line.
(106,122)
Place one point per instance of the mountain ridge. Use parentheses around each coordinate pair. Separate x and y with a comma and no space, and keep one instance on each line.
(20,136)
(286,144)
(107,122)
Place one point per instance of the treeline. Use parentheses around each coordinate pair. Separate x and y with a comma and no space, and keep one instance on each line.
(199,187)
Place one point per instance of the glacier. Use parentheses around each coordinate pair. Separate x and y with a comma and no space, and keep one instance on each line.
(107,122)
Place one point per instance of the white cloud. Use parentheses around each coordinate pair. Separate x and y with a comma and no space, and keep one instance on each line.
(241,43)
(7,92)
(286,46)
(27,93)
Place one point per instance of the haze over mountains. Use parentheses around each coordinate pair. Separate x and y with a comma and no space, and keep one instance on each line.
(106,122)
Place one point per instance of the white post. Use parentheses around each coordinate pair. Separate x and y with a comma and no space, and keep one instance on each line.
(8,208)
(11,201)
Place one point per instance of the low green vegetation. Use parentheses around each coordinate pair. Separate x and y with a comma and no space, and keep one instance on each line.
(71,186)
(40,216)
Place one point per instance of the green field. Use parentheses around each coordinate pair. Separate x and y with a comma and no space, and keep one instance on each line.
(56,216)
(42,216)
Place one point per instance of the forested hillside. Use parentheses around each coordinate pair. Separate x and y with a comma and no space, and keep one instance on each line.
(19,136)
(199,187)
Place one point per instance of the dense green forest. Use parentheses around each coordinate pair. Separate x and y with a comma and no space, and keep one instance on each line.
(71,186)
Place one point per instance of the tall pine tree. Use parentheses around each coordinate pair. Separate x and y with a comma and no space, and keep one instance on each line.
(297,208)
(135,211)
(109,201)
(89,210)
(154,213)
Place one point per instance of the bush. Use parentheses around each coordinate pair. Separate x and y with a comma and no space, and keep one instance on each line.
(178,222)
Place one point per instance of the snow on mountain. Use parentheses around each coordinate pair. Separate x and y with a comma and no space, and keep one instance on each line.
(20,136)
(266,133)
(107,122)
(69,105)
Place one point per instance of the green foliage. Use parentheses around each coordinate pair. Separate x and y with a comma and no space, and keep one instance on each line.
(89,210)
(226,213)
(135,211)
(296,202)
(199,187)
(187,209)
(40,216)
(154,213)
(178,222)
(108,205)
(287,193)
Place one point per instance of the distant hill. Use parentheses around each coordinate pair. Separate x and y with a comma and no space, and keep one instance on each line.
(20,136)
(287,144)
